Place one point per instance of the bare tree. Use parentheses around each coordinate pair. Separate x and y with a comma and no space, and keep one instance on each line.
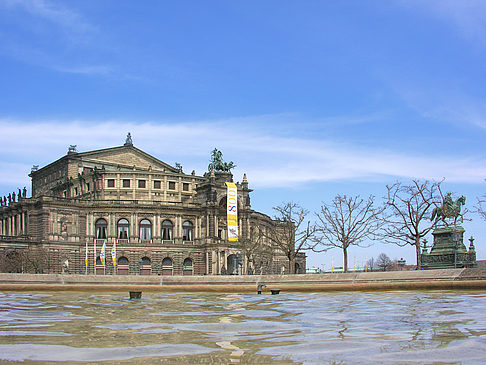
(347,221)
(481,207)
(409,209)
(35,260)
(290,235)
(11,260)
(370,264)
(384,262)
(256,249)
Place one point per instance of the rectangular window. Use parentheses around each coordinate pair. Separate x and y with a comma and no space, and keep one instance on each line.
(141,184)
(172,185)
(157,184)
(185,186)
(87,186)
(110,183)
(126,183)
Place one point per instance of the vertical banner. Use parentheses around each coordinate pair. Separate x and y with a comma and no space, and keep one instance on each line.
(113,254)
(102,254)
(86,256)
(232,211)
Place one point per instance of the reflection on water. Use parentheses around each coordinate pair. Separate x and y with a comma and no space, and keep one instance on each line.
(351,327)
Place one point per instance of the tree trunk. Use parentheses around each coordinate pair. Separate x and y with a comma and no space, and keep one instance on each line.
(345,259)
(417,251)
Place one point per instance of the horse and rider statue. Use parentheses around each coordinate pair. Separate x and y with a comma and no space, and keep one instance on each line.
(217,163)
(449,209)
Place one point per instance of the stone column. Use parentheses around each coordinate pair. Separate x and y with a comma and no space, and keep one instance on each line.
(155,230)
(137,228)
(165,187)
(21,224)
(134,187)
(207,226)
(179,189)
(24,225)
(131,232)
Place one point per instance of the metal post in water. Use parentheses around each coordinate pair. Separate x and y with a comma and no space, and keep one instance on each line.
(259,288)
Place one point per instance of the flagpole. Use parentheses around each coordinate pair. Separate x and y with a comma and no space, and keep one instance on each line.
(86,260)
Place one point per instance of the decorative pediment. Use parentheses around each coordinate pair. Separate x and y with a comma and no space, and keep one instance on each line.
(125,156)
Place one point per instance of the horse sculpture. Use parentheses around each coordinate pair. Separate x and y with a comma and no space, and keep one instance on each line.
(449,209)
(217,163)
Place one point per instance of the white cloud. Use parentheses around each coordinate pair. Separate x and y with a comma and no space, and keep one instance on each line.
(268,159)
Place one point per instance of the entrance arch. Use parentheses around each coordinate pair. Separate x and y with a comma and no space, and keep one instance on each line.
(233,264)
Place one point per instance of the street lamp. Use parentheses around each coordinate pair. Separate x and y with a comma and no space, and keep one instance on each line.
(455,239)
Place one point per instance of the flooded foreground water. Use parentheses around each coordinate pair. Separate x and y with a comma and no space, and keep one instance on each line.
(350,327)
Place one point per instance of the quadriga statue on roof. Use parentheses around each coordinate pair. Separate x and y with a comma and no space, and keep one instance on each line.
(217,163)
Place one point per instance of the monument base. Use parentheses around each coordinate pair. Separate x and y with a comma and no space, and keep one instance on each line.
(449,251)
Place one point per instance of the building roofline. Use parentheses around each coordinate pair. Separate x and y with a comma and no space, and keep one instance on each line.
(77,155)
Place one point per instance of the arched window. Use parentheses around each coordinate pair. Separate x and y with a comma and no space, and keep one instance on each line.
(167,266)
(145,229)
(187,267)
(187,263)
(123,268)
(123,261)
(123,229)
(100,226)
(167,230)
(187,231)
(145,266)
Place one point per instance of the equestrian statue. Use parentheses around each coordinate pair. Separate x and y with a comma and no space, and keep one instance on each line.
(449,209)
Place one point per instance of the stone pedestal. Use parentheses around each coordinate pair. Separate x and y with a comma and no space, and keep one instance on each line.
(449,250)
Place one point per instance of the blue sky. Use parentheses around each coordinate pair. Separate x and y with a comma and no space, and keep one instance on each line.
(310,99)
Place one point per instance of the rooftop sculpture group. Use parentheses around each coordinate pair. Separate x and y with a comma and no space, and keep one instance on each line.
(217,163)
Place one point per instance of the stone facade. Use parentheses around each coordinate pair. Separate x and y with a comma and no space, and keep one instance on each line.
(162,220)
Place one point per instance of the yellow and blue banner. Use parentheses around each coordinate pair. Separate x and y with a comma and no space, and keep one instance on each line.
(102,254)
(113,254)
(232,211)
(86,256)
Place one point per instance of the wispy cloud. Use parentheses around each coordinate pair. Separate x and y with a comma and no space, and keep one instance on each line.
(446,106)
(51,35)
(267,158)
(56,14)
(467,16)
